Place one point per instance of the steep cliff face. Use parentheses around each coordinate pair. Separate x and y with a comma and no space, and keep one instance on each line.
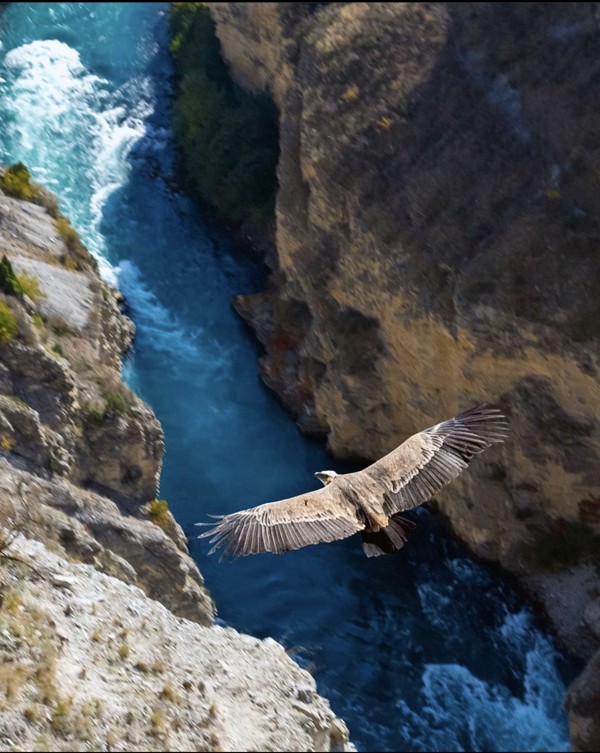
(437,225)
(89,658)
(435,240)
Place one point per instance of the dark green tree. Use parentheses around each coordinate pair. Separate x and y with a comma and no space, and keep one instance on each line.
(8,279)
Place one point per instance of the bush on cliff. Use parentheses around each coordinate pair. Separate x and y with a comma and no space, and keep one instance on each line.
(9,282)
(30,286)
(18,284)
(8,324)
(229,137)
(16,182)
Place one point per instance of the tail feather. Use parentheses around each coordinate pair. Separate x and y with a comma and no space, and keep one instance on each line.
(388,540)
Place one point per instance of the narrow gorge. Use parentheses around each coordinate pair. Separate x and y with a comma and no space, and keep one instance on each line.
(411,156)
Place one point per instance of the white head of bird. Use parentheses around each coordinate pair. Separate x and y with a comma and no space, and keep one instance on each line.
(326,477)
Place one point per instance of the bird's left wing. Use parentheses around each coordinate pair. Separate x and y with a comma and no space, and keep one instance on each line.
(417,469)
(319,516)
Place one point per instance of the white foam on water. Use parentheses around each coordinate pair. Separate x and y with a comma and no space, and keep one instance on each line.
(195,353)
(459,711)
(51,99)
(166,334)
(62,115)
(468,713)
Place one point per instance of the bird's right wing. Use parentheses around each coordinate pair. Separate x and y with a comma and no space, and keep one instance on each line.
(319,516)
(417,469)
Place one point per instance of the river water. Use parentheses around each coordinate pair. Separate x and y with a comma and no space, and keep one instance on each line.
(426,650)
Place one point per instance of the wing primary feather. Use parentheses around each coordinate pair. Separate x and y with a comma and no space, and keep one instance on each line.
(416,470)
(245,533)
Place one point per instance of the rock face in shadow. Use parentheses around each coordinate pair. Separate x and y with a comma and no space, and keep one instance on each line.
(437,225)
(107,636)
(583,702)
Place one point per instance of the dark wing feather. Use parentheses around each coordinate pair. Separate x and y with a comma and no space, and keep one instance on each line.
(417,469)
(319,516)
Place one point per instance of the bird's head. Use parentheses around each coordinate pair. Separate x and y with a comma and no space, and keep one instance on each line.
(326,477)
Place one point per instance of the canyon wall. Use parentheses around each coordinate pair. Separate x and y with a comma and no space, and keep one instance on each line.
(436,226)
(437,234)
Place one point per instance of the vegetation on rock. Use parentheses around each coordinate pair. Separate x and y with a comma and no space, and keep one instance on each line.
(9,283)
(229,137)
(16,181)
(18,284)
(8,324)
(158,512)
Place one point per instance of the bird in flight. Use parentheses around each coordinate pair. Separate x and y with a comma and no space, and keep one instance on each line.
(367,501)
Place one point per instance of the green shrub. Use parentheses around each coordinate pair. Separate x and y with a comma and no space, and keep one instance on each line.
(8,324)
(18,284)
(93,413)
(77,256)
(116,404)
(158,512)
(30,286)
(9,282)
(16,182)
(228,136)
(67,232)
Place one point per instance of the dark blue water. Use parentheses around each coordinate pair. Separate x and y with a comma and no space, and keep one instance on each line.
(422,651)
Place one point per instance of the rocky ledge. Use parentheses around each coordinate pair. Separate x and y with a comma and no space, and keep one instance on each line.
(107,635)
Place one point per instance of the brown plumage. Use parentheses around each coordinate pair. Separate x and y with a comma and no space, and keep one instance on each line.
(369,500)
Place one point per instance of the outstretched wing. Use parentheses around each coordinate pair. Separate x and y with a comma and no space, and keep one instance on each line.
(417,469)
(319,516)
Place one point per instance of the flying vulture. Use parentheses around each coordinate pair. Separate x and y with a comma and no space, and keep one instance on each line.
(367,501)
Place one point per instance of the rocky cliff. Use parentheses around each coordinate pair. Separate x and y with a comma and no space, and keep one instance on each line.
(88,656)
(436,247)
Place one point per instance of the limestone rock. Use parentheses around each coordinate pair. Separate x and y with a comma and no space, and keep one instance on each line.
(90,663)
(582,704)
(434,226)
(80,454)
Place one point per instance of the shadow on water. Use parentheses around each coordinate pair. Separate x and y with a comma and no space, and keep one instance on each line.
(424,650)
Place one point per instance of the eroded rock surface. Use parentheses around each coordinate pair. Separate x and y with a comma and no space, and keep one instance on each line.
(90,663)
